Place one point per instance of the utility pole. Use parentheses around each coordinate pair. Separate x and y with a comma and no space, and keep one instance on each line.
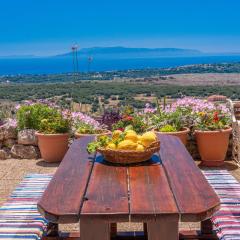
(90,59)
(75,59)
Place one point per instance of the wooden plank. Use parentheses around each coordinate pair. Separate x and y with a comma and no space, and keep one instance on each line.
(94,229)
(194,196)
(107,193)
(150,194)
(63,197)
(163,228)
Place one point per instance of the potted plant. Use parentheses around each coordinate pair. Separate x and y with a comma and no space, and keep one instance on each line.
(52,129)
(136,121)
(173,123)
(212,131)
(83,125)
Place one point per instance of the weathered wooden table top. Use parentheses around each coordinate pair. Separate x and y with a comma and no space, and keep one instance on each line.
(86,186)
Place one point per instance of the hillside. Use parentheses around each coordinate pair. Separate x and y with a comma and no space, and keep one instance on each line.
(123,52)
(130,75)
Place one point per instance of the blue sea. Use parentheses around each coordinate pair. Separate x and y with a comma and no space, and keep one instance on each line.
(11,66)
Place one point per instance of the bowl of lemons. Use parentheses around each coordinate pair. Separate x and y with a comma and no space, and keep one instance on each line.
(126,147)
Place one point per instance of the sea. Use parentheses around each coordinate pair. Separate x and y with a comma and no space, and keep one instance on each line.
(56,65)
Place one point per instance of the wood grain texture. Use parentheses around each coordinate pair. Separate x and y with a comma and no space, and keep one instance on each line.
(107,193)
(150,194)
(163,228)
(194,196)
(62,200)
(94,229)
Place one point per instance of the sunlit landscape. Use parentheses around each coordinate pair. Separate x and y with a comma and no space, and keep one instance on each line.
(119,120)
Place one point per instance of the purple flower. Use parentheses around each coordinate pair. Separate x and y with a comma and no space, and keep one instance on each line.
(78,118)
(149,109)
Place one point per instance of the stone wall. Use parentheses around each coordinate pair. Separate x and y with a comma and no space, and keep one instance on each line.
(14,144)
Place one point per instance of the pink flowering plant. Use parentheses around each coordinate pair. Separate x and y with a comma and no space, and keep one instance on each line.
(172,121)
(189,112)
(207,116)
(85,124)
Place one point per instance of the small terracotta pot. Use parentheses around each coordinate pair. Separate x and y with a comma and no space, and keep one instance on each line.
(105,132)
(212,146)
(182,135)
(53,147)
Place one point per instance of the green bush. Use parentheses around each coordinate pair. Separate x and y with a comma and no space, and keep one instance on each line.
(29,117)
(42,118)
(54,124)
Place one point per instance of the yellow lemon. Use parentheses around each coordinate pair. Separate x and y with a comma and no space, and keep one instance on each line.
(111,146)
(131,136)
(127,145)
(116,134)
(148,138)
(140,148)
(130,131)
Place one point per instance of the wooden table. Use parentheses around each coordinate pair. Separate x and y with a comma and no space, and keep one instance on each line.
(160,193)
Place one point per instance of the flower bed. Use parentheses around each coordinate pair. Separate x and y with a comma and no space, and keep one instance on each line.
(17,138)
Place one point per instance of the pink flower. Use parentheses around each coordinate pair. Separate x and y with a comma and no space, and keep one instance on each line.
(149,109)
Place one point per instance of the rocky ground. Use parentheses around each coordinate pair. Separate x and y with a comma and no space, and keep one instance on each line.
(12,172)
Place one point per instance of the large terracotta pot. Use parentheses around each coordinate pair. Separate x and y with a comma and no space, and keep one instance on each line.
(105,132)
(182,135)
(212,146)
(53,147)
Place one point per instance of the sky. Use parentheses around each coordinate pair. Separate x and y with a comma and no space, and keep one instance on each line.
(49,27)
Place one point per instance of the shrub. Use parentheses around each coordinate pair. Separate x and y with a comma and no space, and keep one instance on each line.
(42,118)
(29,117)
(53,124)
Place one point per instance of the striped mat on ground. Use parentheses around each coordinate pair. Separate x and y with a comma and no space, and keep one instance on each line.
(227,220)
(19,217)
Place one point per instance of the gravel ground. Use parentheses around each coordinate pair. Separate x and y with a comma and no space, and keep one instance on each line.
(12,172)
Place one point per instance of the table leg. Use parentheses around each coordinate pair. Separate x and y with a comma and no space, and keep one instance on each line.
(113,229)
(163,228)
(52,230)
(91,229)
(206,227)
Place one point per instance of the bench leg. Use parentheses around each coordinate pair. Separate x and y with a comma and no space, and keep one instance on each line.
(163,228)
(52,230)
(206,227)
(94,229)
(113,229)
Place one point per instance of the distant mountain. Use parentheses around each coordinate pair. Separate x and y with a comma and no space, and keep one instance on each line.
(17,56)
(123,52)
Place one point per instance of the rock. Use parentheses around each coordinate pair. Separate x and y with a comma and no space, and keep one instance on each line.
(10,132)
(9,142)
(25,152)
(27,137)
(5,154)
(7,131)
(2,129)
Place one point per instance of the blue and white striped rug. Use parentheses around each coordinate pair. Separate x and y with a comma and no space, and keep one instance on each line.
(19,217)
(227,219)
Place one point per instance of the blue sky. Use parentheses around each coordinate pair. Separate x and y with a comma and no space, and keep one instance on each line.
(45,27)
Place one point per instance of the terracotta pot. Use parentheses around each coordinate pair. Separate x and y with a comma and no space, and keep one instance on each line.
(212,146)
(182,135)
(53,147)
(105,132)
